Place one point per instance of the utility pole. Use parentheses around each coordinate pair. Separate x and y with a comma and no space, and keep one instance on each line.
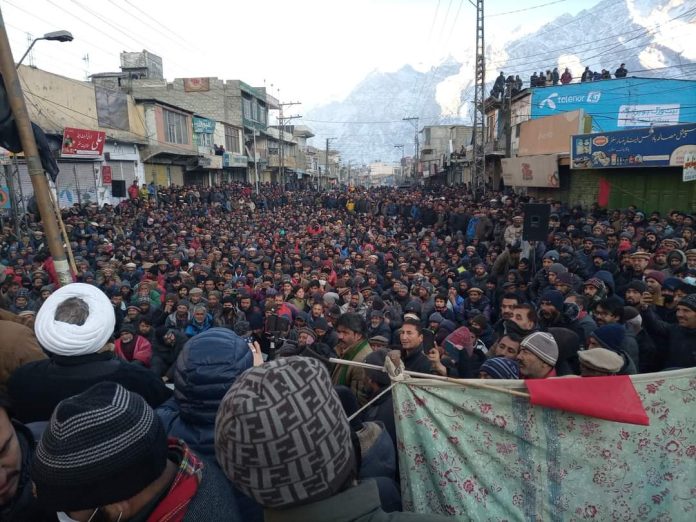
(414,120)
(507,107)
(326,164)
(31,153)
(281,132)
(479,137)
(401,165)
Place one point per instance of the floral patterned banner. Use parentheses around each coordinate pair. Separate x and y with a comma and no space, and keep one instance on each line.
(490,456)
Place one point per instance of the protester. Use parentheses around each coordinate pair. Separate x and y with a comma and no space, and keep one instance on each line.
(269,407)
(92,460)
(538,355)
(74,326)
(17,502)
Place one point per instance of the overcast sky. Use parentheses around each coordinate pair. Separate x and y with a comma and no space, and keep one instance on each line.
(311,51)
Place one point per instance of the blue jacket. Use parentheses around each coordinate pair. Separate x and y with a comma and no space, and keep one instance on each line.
(206,368)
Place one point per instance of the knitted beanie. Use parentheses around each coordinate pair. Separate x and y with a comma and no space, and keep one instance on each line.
(689,301)
(501,368)
(554,297)
(557,268)
(543,345)
(656,275)
(281,435)
(101,446)
(638,286)
(610,336)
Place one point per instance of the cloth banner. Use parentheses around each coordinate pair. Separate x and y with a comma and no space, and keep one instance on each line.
(486,455)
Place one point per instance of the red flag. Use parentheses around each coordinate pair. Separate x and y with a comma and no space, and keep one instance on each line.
(604,192)
(613,398)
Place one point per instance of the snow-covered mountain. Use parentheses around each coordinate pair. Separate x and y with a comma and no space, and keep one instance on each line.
(652,37)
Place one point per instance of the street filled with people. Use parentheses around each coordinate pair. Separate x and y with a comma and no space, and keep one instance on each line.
(194,369)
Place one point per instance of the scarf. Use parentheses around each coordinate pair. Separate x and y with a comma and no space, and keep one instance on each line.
(71,339)
(184,487)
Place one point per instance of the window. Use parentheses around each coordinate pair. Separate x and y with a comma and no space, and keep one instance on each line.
(231,139)
(246,108)
(204,140)
(427,135)
(175,127)
(262,114)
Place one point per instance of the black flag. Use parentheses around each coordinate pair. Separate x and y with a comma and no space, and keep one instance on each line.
(9,136)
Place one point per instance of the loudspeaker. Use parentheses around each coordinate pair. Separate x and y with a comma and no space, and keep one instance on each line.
(536,222)
(118,188)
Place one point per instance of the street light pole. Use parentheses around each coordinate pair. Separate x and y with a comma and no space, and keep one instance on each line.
(55,36)
(37,175)
(401,165)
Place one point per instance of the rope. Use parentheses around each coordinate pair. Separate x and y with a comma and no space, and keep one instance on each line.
(385,390)
(460,382)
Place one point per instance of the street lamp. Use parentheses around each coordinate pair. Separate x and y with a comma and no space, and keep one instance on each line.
(401,165)
(55,36)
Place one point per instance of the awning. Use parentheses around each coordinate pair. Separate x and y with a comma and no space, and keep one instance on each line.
(531,171)
(169,151)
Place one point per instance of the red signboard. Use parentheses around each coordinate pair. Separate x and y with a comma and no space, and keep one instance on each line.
(106,174)
(82,143)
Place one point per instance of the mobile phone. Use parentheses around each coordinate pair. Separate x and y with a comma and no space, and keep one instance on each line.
(428,340)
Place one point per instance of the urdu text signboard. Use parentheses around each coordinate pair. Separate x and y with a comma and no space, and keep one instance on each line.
(82,143)
(647,147)
(203,125)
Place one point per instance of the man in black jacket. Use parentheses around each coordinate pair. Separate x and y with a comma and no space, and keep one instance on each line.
(411,336)
(74,326)
(677,341)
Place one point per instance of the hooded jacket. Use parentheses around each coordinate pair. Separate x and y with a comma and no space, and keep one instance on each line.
(206,368)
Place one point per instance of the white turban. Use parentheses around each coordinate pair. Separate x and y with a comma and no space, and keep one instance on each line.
(71,339)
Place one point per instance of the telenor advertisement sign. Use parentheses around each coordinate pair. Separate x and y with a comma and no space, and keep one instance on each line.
(647,147)
(622,103)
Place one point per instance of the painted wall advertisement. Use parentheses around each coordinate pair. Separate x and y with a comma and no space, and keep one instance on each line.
(531,171)
(647,147)
(622,103)
(82,143)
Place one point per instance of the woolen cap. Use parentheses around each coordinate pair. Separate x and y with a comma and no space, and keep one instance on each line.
(543,345)
(281,435)
(689,302)
(101,446)
(610,336)
(501,368)
(601,360)
(656,275)
(638,286)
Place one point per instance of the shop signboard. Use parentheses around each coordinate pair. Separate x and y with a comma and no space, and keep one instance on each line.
(203,125)
(531,171)
(230,159)
(690,166)
(82,143)
(107,174)
(646,147)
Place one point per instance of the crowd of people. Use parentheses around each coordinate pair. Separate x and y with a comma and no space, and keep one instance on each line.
(504,86)
(193,369)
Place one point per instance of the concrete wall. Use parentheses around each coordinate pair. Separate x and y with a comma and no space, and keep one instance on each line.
(223,102)
(55,102)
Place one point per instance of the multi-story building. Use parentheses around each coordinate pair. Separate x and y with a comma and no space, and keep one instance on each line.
(537,130)
(443,148)
(239,110)
(95,133)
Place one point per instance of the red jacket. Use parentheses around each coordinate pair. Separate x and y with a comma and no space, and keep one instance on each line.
(141,353)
